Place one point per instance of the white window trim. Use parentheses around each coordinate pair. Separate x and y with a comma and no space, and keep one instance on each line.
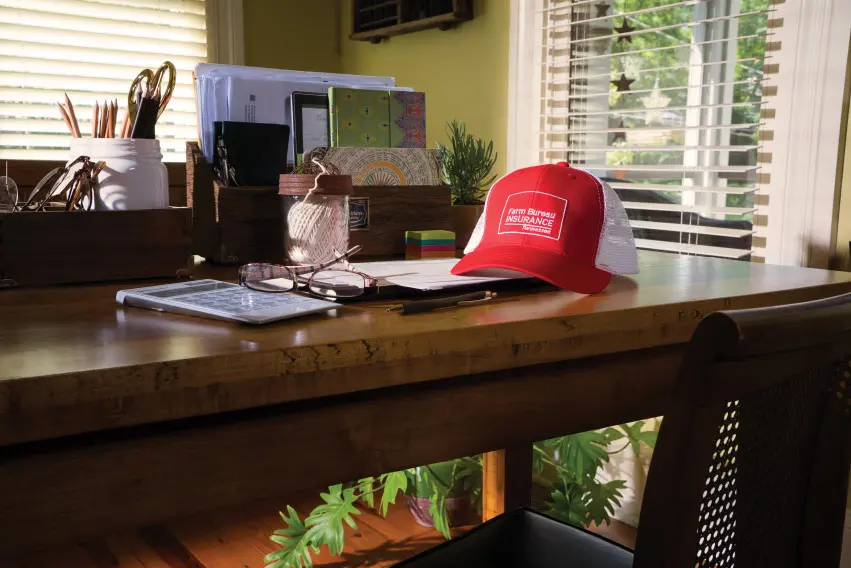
(811,81)
(225,32)
(523,89)
(803,193)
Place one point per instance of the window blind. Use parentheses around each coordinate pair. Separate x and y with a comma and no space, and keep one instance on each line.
(668,101)
(92,50)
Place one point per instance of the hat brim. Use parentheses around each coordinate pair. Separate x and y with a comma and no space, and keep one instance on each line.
(551,267)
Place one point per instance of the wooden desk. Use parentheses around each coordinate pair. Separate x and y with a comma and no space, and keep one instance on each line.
(112,416)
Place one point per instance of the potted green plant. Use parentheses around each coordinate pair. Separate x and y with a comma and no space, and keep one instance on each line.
(467,165)
(565,468)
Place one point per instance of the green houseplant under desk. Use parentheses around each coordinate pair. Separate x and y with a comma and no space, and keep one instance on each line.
(564,468)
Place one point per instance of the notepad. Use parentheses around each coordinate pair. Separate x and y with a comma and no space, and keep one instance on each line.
(430,274)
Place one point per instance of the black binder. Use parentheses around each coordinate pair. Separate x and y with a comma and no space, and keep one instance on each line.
(253,153)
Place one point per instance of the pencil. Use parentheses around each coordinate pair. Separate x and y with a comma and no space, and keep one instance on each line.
(104,115)
(125,126)
(67,120)
(73,116)
(95,120)
(112,118)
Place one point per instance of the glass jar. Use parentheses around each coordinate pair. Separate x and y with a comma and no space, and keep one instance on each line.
(316,216)
(134,177)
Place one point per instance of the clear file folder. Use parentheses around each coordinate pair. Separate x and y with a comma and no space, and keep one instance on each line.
(222,92)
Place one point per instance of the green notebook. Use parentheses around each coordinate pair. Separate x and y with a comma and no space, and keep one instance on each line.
(360,118)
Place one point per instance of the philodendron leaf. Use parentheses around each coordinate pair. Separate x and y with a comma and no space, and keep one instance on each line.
(437,510)
(613,434)
(635,435)
(394,483)
(601,499)
(583,453)
(325,523)
(366,488)
(563,507)
(296,546)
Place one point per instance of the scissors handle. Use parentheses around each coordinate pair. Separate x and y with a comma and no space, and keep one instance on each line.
(152,83)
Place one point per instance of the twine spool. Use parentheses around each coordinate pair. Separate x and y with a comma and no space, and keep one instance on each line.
(317,211)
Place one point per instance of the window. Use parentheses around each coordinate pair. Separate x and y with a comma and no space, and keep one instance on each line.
(667,100)
(92,49)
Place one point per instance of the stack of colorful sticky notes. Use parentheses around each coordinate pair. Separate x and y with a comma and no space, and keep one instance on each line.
(429,244)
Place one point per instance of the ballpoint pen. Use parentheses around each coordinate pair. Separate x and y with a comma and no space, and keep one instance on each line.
(422,306)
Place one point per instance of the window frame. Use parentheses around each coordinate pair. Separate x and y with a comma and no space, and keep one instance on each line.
(810,79)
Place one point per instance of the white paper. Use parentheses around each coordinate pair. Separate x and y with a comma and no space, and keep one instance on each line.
(257,100)
(314,128)
(433,274)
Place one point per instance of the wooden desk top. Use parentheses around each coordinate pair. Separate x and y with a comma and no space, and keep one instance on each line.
(72,360)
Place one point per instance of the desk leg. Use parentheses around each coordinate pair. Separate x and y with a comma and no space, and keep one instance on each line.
(506,480)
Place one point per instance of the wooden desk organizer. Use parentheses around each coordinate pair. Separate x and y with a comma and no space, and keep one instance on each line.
(236,225)
(232,225)
(59,247)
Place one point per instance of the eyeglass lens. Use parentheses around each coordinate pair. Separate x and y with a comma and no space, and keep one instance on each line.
(333,283)
(268,278)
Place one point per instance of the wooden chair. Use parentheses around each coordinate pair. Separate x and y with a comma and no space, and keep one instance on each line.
(751,465)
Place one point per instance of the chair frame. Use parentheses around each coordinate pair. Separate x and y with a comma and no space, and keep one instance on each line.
(733,354)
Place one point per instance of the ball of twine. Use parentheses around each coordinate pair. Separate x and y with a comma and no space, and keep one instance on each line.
(317,225)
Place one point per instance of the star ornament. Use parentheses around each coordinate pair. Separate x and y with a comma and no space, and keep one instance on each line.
(619,136)
(625,28)
(602,9)
(623,83)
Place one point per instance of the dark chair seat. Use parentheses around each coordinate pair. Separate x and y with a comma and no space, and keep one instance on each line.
(525,539)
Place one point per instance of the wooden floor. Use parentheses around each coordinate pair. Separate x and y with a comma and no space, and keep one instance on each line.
(239,538)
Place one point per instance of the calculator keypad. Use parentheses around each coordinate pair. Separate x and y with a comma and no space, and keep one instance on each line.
(242,300)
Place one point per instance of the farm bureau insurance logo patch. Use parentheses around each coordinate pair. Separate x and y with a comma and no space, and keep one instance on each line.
(533,213)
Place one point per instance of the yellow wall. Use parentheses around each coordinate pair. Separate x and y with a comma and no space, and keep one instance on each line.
(463,71)
(293,34)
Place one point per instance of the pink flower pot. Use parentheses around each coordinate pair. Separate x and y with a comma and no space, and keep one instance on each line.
(458,508)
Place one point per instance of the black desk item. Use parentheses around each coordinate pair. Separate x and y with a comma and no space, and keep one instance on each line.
(251,153)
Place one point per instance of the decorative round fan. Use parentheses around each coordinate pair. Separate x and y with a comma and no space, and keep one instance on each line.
(8,193)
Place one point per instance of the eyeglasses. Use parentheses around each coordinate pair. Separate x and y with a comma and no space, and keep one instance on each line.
(325,280)
(76,180)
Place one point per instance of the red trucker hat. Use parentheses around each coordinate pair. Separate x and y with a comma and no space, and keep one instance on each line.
(554,222)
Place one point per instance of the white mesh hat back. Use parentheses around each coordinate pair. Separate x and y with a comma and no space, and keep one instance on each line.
(616,252)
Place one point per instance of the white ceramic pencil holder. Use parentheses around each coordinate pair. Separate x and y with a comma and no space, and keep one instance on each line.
(134,177)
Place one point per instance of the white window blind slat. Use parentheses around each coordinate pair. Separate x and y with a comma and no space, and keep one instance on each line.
(623,111)
(680,207)
(658,187)
(109,13)
(192,40)
(665,100)
(550,129)
(696,229)
(92,50)
(659,29)
(181,6)
(689,248)
(680,46)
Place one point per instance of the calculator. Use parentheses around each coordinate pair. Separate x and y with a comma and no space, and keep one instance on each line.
(223,301)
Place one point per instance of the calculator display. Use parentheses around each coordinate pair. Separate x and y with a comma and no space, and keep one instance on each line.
(190,290)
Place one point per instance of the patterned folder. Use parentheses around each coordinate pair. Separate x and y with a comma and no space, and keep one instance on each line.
(384,166)
(407,120)
(359,118)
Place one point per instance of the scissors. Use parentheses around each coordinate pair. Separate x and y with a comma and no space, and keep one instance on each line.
(152,84)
